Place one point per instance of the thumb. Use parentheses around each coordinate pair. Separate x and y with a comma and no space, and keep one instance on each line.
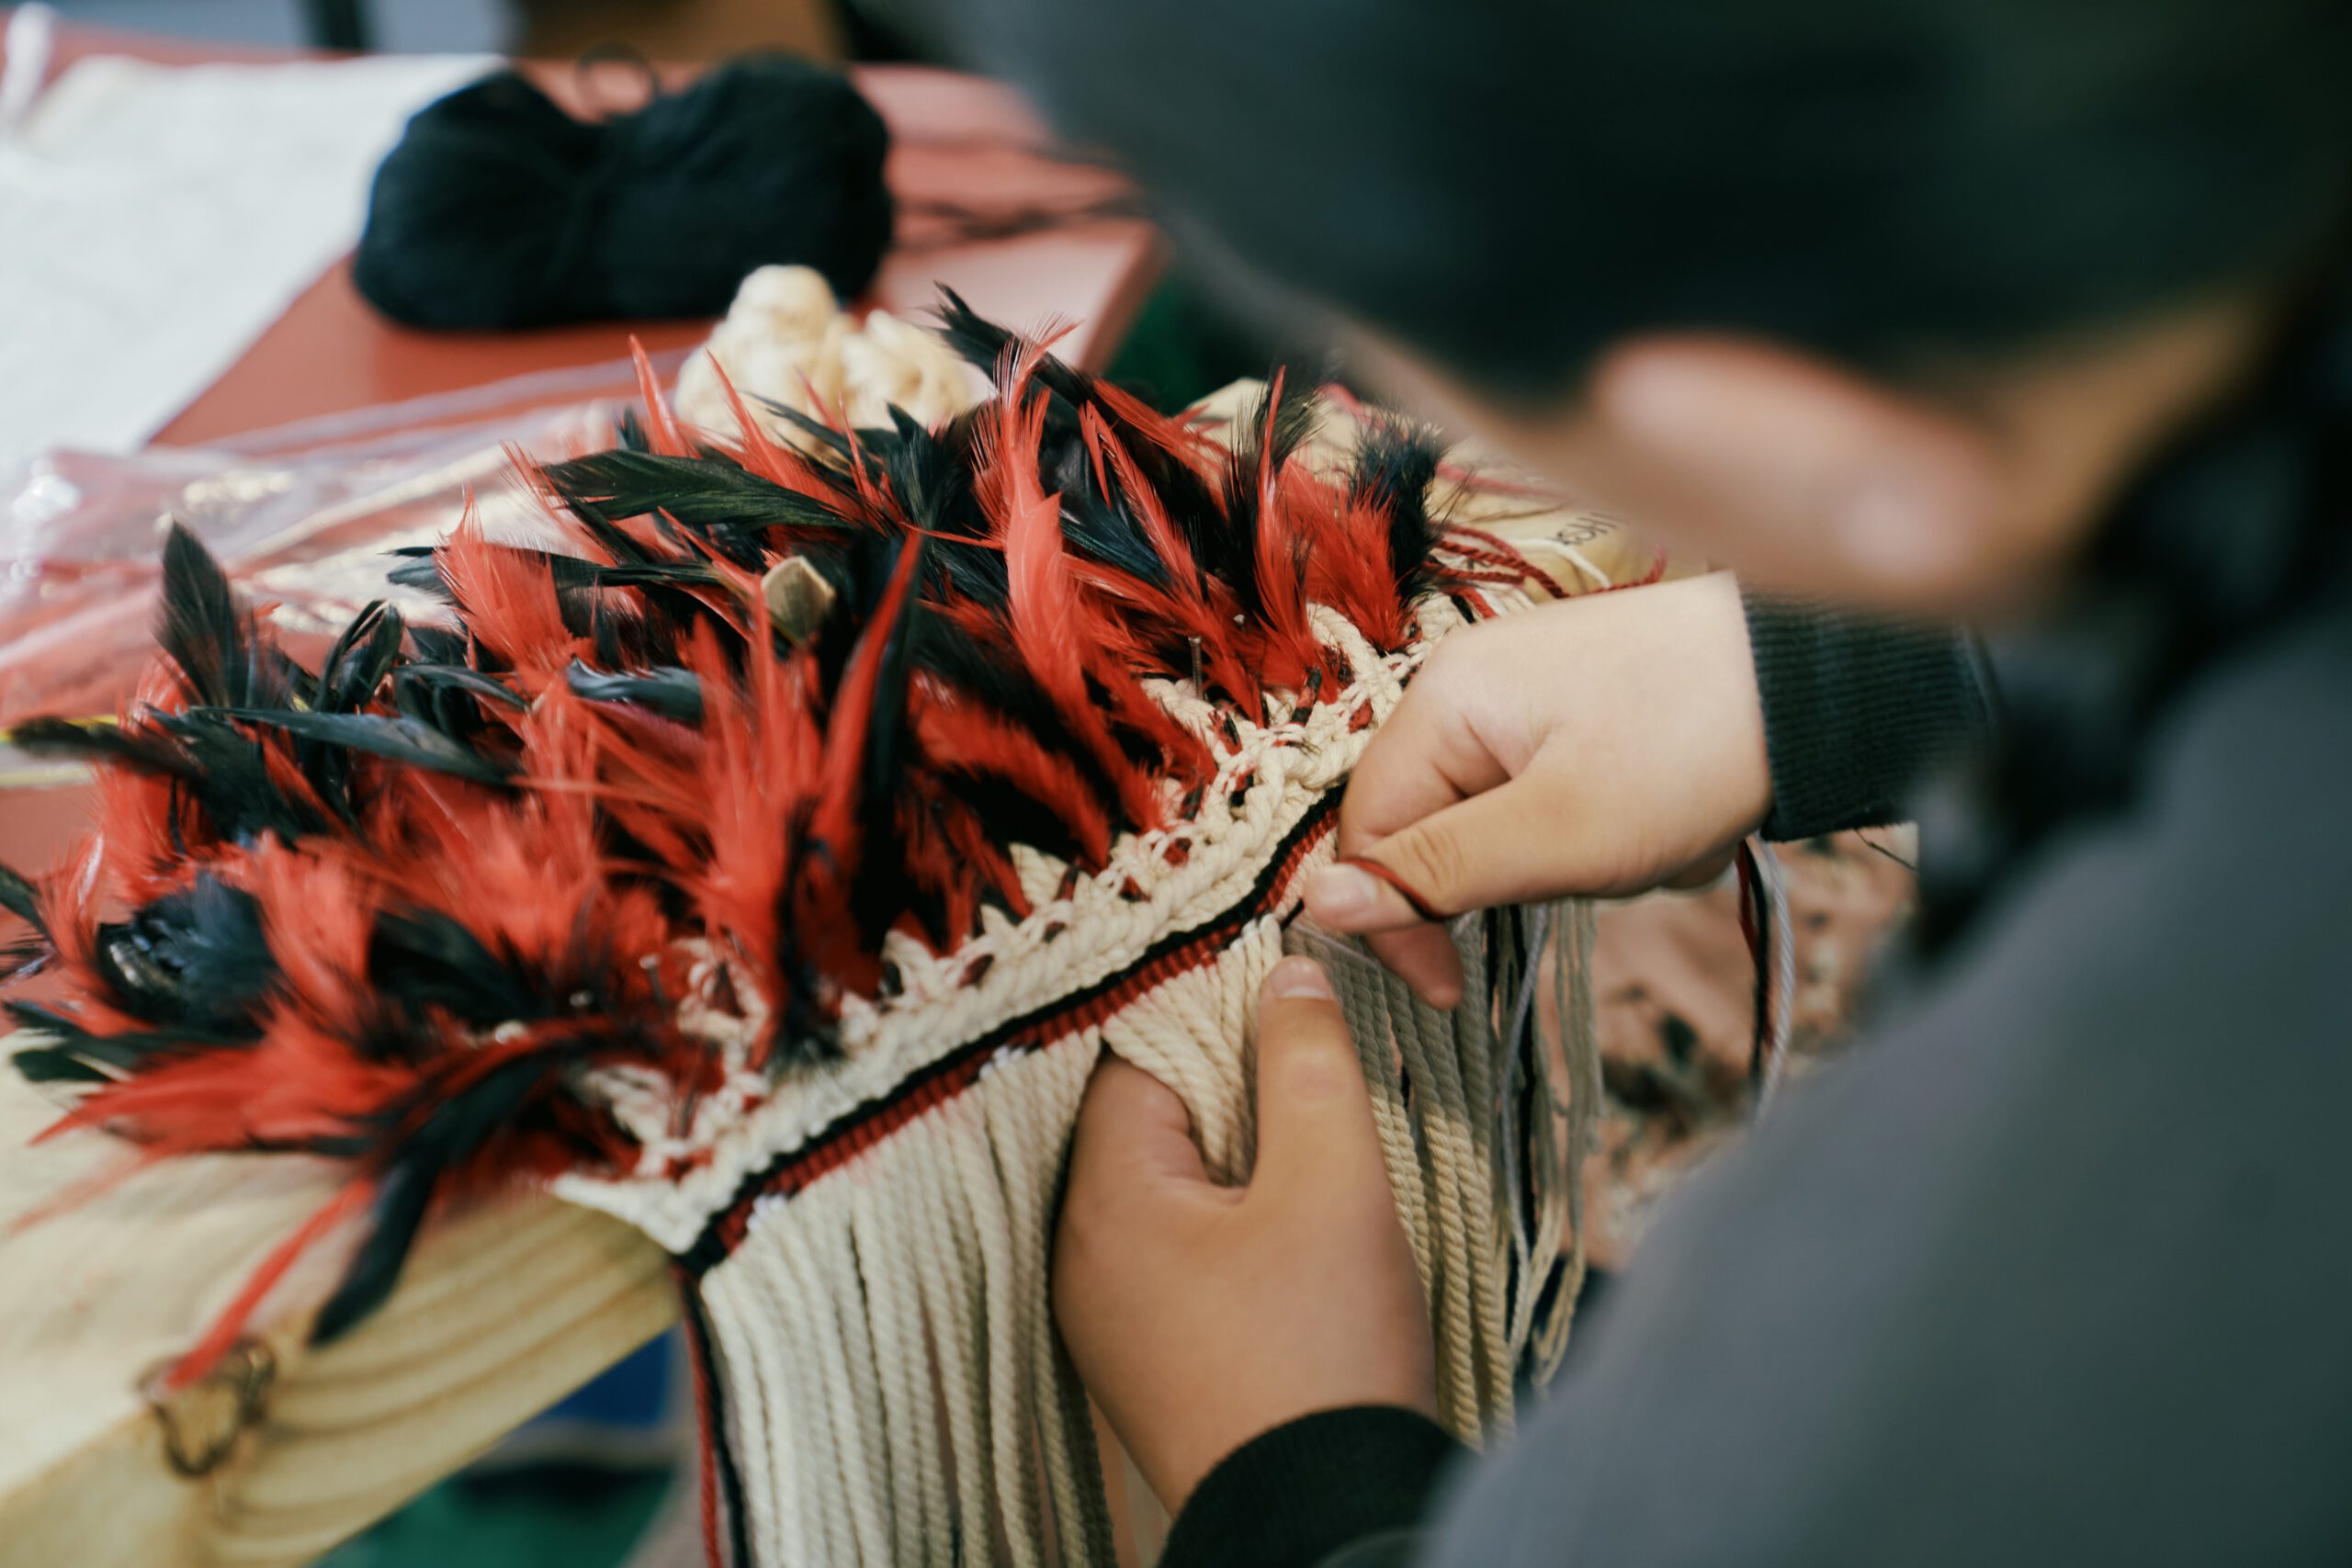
(1134,1141)
(1314,1123)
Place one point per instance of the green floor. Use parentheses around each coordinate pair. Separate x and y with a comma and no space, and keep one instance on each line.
(545,1516)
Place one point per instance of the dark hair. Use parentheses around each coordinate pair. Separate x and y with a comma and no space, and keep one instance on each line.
(1507,184)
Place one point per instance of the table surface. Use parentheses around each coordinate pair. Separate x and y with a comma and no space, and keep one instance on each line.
(956,138)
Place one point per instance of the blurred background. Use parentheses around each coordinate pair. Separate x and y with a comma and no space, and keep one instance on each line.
(408,25)
(667,29)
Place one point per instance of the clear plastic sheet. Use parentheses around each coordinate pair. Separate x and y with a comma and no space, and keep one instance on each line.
(308,535)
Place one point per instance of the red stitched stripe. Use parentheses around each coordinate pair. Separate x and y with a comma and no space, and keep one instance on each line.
(706,1426)
(822,1158)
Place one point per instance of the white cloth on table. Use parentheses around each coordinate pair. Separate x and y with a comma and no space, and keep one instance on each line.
(159,218)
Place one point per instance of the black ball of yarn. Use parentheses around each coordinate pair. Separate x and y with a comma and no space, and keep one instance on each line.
(497,209)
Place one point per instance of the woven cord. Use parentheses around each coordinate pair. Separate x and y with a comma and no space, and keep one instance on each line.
(1570,961)
(906,1294)
(1030,1155)
(918,1481)
(1473,1067)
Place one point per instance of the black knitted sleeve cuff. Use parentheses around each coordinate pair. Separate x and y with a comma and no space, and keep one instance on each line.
(1338,1482)
(1858,712)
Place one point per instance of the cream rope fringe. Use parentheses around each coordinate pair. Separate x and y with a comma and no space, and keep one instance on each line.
(899,1393)
(1486,1129)
(900,1302)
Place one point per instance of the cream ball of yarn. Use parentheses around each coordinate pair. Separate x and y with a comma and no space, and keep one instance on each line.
(785,341)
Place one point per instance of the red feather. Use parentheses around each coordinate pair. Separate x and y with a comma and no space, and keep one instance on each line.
(508,600)
(1196,615)
(318,913)
(1284,518)
(662,431)
(956,738)
(1048,619)
(1052,628)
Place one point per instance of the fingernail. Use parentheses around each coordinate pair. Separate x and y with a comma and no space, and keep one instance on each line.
(1299,978)
(1343,892)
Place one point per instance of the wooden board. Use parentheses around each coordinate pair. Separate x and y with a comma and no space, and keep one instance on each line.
(503,1311)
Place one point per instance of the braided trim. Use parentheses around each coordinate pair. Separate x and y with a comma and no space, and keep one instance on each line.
(1168,883)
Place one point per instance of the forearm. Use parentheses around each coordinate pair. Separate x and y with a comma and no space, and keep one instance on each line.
(1336,1489)
(1858,713)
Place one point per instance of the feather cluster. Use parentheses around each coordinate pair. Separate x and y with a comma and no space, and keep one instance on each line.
(393,909)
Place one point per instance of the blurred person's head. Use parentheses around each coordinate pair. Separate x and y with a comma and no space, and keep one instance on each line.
(1880,298)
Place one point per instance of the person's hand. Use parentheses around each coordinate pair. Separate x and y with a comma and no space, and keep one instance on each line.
(1604,745)
(1201,1316)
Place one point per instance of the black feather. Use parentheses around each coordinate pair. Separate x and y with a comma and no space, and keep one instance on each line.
(140,750)
(20,960)
(420,959)
(21,898)
(302,687)
(668,690)
(622,549)
(437,645)
(947,652)
(922,471)
(194,959)
(1103,526)
(1267,437)
(458,677)
(205,632)
(667,587)
(39,1020)
(228,778)
(656,574)
(963,663)
(1191,503)
(76,1053)
(220,770)
(355,666)
(834,442)
(1395,465)
(1011,815)
(402,1196)
(421,572)
(701,493)
(451,1133)
(886,725)
(983,345)
(930,473)
(403,739)
(55,1064)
